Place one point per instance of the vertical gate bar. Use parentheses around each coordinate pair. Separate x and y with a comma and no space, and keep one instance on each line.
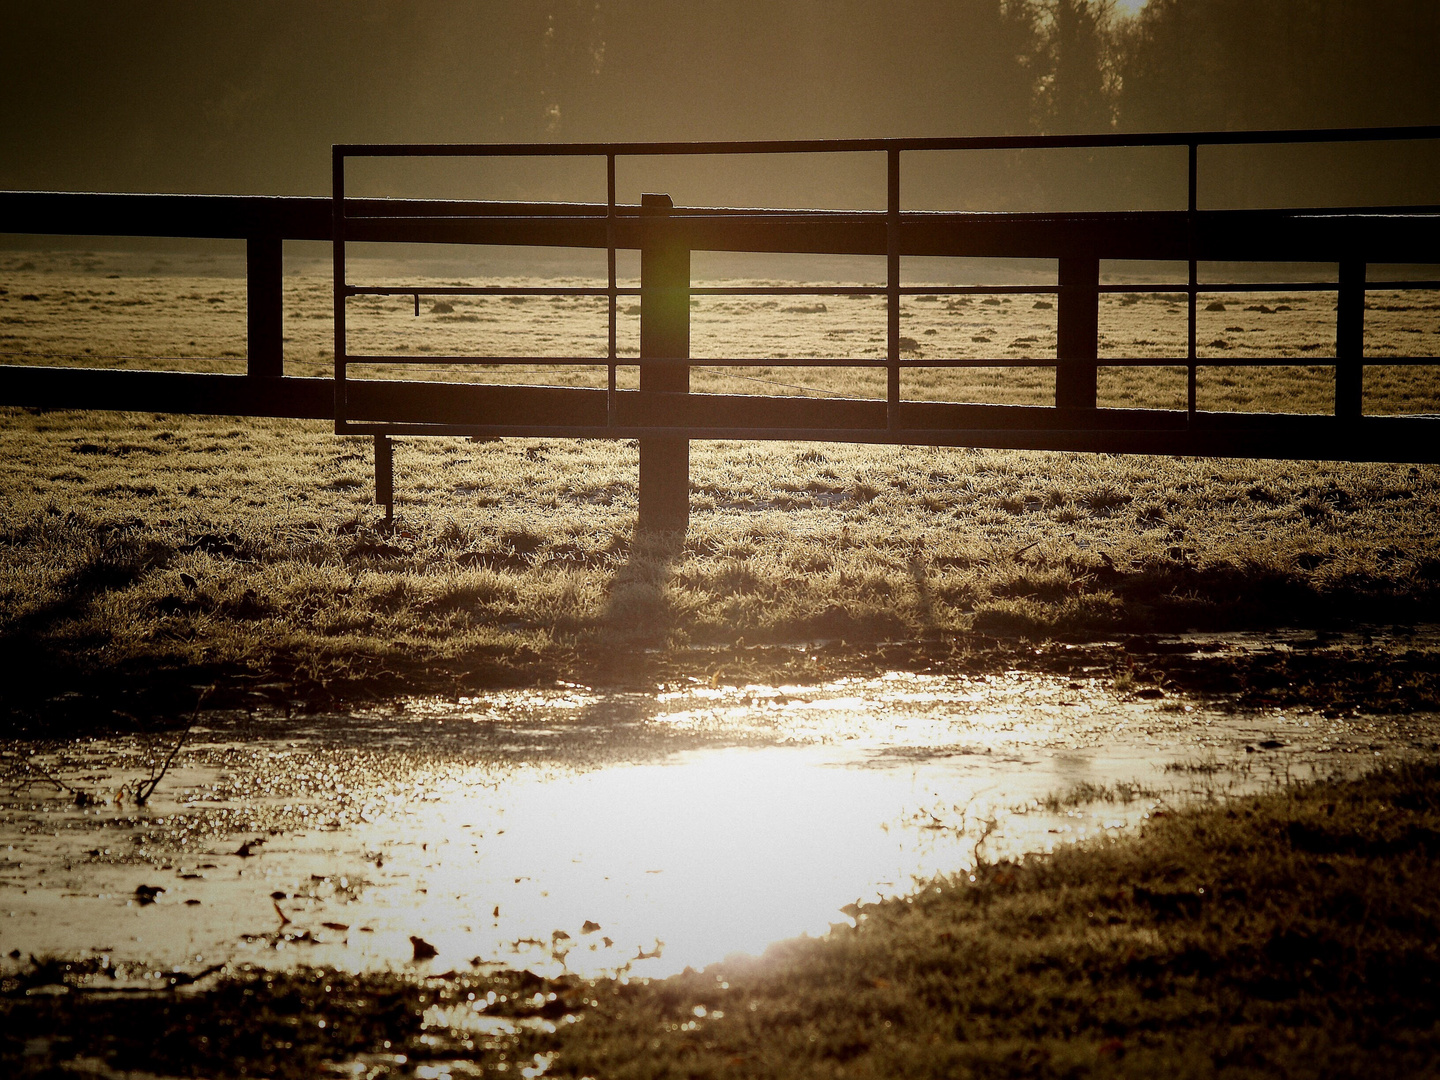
(337,244)
(664,335)
(1193,168)
(265,305)
(1350,340)
(1190,344)
(610,255)
(892,289)
(1194,280)
(1077,332)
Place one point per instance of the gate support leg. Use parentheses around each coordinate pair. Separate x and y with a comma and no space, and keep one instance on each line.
(664,334)
(385,477)
(1077,344)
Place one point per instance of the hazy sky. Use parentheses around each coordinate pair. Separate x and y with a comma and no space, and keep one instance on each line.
(248,95)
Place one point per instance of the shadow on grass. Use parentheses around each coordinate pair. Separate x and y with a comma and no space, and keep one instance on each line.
(1176,596)
(925,596)
(639,612)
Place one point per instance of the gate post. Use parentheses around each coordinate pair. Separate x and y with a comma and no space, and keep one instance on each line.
(1350,340)
(664,334)
(264,305)
(1077,338)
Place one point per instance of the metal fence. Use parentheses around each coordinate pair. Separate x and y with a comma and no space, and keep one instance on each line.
(1350,237)
(664,416)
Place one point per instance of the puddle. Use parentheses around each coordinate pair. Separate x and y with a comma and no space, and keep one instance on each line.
(598,833)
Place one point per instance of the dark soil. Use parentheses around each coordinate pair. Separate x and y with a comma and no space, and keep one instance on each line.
(56,696)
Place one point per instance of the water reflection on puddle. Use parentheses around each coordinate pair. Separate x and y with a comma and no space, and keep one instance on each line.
(567,829)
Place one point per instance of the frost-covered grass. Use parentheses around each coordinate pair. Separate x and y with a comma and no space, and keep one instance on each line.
(136,541)
(132,540)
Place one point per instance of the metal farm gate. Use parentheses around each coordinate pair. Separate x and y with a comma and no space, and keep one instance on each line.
(663,415)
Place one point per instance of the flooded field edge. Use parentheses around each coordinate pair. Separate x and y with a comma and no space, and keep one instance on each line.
(1187,914)
(527,842)
(1011,757)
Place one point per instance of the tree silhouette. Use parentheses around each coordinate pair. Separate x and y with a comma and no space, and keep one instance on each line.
(1230,64)
(1078,89)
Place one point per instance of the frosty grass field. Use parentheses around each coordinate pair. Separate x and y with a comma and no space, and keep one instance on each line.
(521,552)
(144,556)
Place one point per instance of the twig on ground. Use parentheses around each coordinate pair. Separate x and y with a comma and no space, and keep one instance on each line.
(145,788)
(24,773)
(990,825)
(1021,550)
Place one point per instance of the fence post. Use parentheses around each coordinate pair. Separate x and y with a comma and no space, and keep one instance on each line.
(1350,340)
(664,334)
(264,305)
(1077,338)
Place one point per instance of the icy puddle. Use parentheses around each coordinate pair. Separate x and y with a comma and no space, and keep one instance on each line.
(598,833)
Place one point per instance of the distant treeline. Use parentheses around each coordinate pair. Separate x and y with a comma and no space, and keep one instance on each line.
(236,95)
(855,67)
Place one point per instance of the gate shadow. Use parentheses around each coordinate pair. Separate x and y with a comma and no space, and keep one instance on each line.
(638,612)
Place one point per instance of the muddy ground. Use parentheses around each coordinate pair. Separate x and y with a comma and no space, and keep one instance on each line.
(443,885)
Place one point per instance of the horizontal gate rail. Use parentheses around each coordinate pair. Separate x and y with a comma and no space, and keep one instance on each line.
(843,146)
(437,360)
